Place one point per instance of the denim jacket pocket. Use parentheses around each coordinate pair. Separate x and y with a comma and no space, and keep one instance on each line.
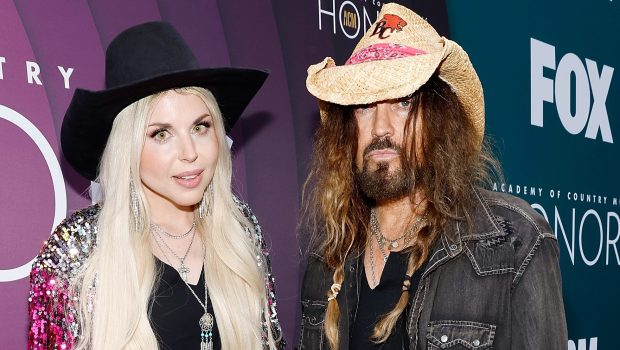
(313,318)
(460,335)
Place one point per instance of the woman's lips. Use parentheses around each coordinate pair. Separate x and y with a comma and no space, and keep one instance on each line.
(189,179)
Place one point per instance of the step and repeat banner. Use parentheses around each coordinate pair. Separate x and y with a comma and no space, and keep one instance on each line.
(549,77)
(552,95)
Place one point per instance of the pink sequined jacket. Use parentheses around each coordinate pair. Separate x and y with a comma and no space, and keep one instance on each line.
(52,310)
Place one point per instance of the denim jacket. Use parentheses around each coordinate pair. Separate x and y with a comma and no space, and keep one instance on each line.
(497,287)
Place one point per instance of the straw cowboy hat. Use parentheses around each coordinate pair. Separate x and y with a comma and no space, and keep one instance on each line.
(396,56)
(143,60)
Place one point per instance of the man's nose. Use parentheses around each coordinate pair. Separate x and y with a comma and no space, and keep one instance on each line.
(382,124)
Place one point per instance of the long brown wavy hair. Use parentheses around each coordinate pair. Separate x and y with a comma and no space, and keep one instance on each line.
(336,213)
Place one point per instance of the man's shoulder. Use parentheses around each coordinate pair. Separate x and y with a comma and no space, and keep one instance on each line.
(518,213)
(510,227)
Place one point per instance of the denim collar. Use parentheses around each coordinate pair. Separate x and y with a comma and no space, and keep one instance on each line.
(451,241)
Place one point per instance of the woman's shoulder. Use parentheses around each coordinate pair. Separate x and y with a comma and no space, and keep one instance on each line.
(51,310)
(263,261)
(245,209)
(70,243)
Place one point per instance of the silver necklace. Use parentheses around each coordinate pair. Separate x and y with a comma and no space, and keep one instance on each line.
(183,269)
(393,243)
(374,228)
(206,320)
(372,264)
(381,240)
(376,233)
(161,231)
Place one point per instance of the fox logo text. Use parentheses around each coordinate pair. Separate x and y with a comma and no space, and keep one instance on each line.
(582,345)
(591,87)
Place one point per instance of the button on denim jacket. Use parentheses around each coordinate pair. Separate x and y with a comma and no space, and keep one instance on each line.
(496,287)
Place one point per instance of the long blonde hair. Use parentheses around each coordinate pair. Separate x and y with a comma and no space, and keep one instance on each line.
(116,283)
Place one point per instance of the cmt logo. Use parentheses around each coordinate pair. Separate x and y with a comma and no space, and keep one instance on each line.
(581,344)
(353,19)
(590,91)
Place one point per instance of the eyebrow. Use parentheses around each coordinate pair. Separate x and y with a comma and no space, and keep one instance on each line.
(168,125)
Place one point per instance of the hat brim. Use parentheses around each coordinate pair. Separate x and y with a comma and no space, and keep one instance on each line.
(382,80)
(372,81)
(90,115)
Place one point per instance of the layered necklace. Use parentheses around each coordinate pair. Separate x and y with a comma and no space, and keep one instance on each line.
(158,234)
(206,321)
(382,241)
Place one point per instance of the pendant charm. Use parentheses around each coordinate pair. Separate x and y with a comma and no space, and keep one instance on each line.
(206,322)
(394,244)
(183,271)
(206,331)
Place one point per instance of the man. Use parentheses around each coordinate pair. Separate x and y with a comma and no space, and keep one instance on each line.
(407,250)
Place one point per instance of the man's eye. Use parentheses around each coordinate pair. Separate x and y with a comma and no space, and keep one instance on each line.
(402,105)
(364,109)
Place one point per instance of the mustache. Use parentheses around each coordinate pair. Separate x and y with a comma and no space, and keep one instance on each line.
(382,143)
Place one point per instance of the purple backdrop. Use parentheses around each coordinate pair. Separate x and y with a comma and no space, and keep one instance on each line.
(62,45)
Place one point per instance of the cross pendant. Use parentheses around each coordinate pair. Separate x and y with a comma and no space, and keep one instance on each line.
(183,271)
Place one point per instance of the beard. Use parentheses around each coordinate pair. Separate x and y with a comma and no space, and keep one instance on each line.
(384,183)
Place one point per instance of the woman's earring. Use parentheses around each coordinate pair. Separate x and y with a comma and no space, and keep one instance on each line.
(135,208)
(211,199)
(205,208)
(201,208)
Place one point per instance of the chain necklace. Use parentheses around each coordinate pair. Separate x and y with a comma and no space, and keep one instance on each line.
(206,321)
(183,269)
(161,231)
(376,234)
(372,264)
(382,240)
(393,243)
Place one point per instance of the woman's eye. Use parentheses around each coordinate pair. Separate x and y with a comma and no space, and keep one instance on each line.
(201,127)
(160,135)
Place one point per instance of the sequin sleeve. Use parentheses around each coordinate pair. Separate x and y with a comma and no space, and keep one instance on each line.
(51,307)
(269,279)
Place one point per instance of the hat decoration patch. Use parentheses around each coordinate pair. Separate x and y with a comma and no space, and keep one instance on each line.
(390,22)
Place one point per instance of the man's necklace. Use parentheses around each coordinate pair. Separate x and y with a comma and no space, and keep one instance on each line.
(183,269)
(381,240)
(372,264)
(393,243)
(206,321)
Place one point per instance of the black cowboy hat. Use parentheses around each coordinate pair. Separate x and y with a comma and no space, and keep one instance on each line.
(141,61)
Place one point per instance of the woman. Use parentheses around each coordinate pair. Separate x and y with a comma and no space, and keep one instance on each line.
(169,258)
